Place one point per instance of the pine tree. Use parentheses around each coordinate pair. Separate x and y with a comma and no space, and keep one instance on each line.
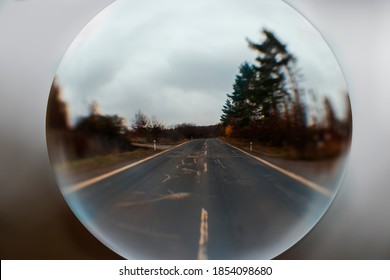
(270,83)
(227,112)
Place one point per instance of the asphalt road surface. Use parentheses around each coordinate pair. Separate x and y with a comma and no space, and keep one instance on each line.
(201,200)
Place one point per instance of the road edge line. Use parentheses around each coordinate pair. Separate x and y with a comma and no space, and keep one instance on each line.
(322,190)
(86,183)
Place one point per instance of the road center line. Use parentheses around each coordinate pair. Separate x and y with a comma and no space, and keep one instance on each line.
(204,236)
(86,183)
(320,189)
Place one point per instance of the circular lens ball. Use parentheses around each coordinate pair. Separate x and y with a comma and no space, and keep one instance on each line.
(199,129)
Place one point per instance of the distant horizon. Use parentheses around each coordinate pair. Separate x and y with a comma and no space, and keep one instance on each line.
(73,119)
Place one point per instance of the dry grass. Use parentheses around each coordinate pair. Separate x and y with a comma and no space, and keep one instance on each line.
(105,161)
(257,148)
(330,150)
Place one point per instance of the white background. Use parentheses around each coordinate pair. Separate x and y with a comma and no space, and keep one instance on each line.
(34,220)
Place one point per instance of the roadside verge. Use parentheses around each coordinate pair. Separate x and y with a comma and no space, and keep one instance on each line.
(78,186)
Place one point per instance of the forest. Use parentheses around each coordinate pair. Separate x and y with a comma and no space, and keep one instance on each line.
(267,107)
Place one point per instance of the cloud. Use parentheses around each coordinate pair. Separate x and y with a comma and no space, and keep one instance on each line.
(179,60)
(194,70)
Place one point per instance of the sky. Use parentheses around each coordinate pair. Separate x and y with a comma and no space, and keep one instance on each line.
(178,60)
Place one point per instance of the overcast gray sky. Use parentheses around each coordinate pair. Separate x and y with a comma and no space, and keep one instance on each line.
(177,60)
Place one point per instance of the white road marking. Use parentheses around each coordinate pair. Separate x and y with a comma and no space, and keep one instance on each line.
(188,170)
(172,196)
(166,179)
(204,236)
(322,190)
(220,163)
(205,167)
(86,183)
(180,164)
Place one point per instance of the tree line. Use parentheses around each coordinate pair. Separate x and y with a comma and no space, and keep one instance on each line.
(100,134)
(266,106)
(148,129)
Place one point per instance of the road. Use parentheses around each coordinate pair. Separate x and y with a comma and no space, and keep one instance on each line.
(201,200)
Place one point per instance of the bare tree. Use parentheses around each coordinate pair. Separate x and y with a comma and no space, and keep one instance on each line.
(141,124)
